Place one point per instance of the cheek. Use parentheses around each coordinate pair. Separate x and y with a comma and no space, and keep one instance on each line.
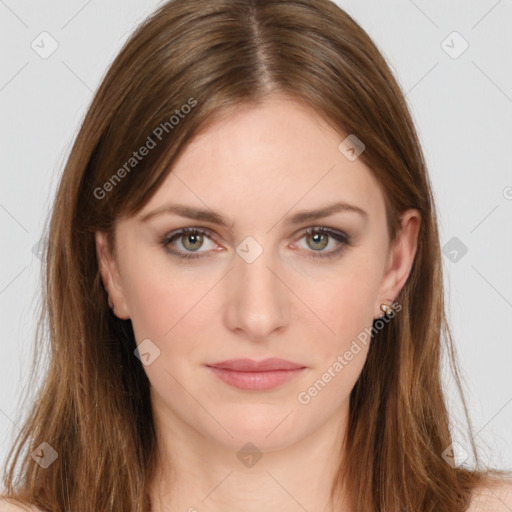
(169,304)
(347,306)
(345,303)
(152,302)
(156,298)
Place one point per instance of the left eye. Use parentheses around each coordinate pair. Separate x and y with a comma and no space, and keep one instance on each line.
(318,239)
(192,239)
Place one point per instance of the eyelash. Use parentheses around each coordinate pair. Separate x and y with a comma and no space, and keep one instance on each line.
(337,235)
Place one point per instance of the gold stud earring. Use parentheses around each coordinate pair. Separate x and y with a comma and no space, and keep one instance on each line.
(385,308)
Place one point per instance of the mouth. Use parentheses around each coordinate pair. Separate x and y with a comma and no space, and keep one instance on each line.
(248,374)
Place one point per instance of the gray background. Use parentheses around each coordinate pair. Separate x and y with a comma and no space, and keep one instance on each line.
(462,105)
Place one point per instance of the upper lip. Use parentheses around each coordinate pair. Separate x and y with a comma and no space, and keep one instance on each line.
(250,365)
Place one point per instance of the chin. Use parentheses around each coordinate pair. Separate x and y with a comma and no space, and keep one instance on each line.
(245,438)
(268,427)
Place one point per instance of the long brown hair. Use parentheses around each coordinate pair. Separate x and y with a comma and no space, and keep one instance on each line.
(93,405)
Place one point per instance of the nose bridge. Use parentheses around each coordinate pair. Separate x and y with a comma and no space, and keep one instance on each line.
(257,302)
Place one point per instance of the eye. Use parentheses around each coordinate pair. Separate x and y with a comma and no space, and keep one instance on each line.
(190,239)
(317,239)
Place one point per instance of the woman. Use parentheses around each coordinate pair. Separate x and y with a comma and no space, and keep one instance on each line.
(243,283)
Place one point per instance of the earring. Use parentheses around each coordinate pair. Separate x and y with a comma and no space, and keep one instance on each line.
(385,308)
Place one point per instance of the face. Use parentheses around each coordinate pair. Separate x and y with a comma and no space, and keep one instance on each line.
(267,283)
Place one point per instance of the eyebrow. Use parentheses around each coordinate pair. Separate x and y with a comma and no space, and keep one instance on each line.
(215,218)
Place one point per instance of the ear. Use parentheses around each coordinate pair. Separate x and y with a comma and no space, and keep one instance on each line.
(110,276)
(400,259)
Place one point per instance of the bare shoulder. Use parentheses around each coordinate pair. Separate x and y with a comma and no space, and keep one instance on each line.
(6,506)
(493,498)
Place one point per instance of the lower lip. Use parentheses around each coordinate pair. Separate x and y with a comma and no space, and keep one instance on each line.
(256,381)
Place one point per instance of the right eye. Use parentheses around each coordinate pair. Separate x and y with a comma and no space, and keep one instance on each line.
(192,239)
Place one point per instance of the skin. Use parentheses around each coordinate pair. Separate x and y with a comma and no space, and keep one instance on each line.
(256,168)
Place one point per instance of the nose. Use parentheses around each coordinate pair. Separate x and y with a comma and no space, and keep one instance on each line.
(257,305)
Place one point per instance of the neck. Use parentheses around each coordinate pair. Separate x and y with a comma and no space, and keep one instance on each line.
(198,474)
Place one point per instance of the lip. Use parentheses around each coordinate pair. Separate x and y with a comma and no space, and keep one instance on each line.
(250,365)
(249,374)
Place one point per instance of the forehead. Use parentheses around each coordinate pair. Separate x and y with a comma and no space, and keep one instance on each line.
(267,158)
